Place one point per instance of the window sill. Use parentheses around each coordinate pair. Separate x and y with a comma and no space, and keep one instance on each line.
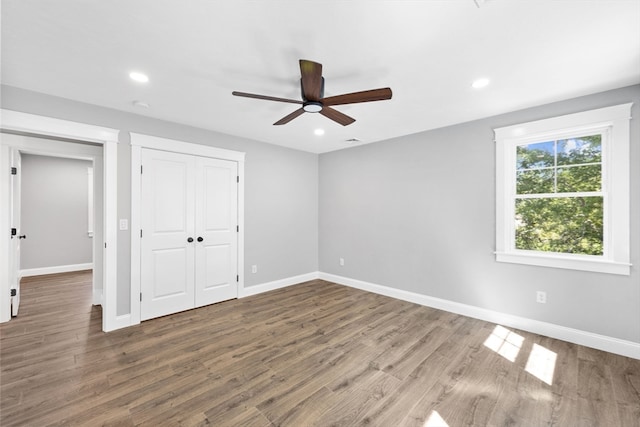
(566,262)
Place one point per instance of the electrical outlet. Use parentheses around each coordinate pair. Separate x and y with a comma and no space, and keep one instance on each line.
(341,261)
(124,224)
(541,297)
(254,269)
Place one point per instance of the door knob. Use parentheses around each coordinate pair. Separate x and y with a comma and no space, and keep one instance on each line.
(24,236)
(190,239)
(200,239)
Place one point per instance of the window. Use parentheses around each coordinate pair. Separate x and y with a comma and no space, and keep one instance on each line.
(562,191)
(558,197)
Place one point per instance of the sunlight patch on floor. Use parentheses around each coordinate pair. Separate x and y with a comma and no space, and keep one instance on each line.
(504,342)
(435,420)
(541,363)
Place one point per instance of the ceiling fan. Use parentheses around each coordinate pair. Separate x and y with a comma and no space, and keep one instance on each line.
(313,101)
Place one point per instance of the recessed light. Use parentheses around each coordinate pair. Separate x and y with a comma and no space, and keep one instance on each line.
(139,77)
(319,132)
(480,83)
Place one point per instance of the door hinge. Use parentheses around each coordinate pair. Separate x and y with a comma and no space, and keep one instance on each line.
(140,168)
(14,171)
(238,178)
(105,245)
(237,228)
(14,292)
(140,296)
(14,232)
(237,278)
(141,233)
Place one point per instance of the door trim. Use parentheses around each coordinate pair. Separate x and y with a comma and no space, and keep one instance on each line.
(140,141)
(32,124)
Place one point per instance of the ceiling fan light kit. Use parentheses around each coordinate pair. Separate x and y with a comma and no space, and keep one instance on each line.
(313,100)
(312,107)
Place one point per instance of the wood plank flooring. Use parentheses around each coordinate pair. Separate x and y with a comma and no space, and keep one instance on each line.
(314,354)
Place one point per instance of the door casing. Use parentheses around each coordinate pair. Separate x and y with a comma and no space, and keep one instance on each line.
(42,126)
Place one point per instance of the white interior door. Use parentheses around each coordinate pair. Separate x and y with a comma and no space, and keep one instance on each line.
(168,223)
(216,228)
(17,236)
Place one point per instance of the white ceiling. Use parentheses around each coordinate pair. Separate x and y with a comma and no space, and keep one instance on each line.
(196,52)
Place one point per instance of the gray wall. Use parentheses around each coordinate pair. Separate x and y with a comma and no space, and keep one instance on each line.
(414,213)
(281,188)
(54,213)
(417,213)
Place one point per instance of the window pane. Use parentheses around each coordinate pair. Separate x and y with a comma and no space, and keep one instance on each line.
(579,178)
(586,149)
(534,181)
(567,225)
(533,156)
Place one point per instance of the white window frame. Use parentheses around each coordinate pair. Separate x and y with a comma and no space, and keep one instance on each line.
(615,188)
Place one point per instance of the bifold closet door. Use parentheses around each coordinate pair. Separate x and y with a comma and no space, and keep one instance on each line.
(168,220)
(189,215)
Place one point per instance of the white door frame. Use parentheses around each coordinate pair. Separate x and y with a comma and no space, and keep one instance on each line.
(15,201)
(70,150)
(139,141)
(32,124)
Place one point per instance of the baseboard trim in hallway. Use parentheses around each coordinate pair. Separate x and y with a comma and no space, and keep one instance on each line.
(41,271)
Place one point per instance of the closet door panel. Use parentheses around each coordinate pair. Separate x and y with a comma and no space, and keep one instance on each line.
(167,264)
(216,222)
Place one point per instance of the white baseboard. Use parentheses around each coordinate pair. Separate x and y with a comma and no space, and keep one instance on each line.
(277,284)
(119,322)
(576,336)
(56,269)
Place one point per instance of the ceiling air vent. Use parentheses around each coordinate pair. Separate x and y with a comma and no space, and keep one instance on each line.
(351,140)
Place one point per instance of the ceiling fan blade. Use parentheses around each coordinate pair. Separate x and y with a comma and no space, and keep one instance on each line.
(337,116)
(286,119)
(266,98)
(355,97)
(311,73)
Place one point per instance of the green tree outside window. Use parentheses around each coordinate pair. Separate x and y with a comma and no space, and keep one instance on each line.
(559,204)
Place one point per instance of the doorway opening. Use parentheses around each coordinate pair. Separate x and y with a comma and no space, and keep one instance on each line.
(77,135)
(56,201)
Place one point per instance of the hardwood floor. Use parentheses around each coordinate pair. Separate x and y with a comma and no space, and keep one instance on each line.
(315,354)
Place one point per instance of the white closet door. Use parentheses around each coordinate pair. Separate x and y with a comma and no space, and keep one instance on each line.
(216,226)
(167,264)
